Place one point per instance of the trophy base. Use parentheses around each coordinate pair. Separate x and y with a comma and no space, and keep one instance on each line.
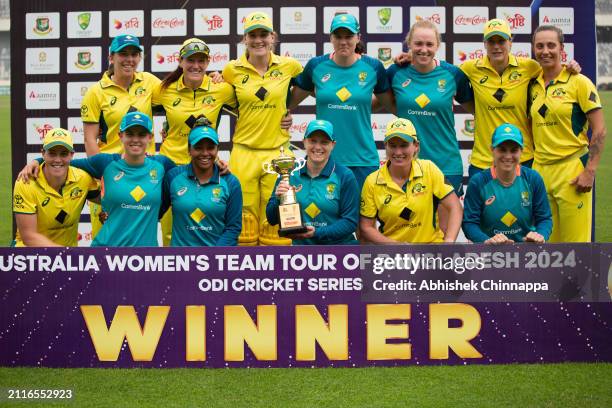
(290,231)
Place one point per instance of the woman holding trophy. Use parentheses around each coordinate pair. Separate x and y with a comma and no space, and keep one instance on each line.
(404,193)
(326,193)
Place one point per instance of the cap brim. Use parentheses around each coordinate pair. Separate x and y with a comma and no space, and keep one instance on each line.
(256,26)
(344,25)
(501,34)
(320,129)
(51,145)
(193,52)
(131,125)
(402,136)
(200,138)
(139,47)
(507,139)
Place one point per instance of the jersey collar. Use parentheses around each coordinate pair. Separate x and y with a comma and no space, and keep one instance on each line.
(106,81)
(42,180)
(563,77)
(484,62)
(216,177)
(327,171)
(416,171)
(205,85)
(244,62)
(494,172)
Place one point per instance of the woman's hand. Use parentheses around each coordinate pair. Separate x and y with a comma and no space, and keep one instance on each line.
(223,167)
(29,172)
(498,239)
(287,120)
(303,235)
(216,77)
(533,236)
(282,188)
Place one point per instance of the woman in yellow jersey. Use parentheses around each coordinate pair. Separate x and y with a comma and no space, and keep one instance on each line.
(563,106)
(261,81)
(188,95)
(122,89)
(47,209)
(403,195)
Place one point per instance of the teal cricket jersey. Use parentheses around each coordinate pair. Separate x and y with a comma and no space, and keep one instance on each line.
(491,208)
(207,214)
(344,97)
(329,202)
(427,100)
(131,195)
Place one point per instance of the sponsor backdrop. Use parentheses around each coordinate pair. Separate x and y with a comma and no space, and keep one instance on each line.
(64,49)
(305,307)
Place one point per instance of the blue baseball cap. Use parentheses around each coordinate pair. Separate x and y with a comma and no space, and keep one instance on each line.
(124,40)
(136,119)
(507,132)
(322,125)
(345,20)
(203,132)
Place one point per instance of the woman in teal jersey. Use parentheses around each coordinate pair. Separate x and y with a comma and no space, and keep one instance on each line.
(326,191)
(424,92)
(131,185)
(206,206)
(344,82)
(508,202)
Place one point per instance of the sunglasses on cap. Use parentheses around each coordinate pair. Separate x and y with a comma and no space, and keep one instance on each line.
(194,48)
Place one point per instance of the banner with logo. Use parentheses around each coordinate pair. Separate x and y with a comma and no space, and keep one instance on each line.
(303,307)
(64,49)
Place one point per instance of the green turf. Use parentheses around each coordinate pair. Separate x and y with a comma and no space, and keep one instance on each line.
(545,385)
(603,193)
(6,184)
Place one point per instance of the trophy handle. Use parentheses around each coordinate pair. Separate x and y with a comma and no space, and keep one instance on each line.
(268,168)
(299,164)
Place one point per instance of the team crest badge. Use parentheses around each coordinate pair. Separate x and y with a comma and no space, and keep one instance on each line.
(363,76)
(384,15)
(469,127)
(83,20)
(42,26)
(331,188)
(153,175)
(525,198)
(514,76)
(208,100)
(84,60)
(442,85)
(418,189)
(140,91)
(384,55)
(216,194)
(276,74)
(76,193)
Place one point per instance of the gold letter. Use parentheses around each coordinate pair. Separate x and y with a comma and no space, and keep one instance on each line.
(195,327)
(260,337)
(379,331)
(441,337)
(310,328)
(125,325)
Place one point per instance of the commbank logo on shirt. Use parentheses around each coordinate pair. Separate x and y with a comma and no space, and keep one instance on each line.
(343,94)
(138,193)
(422,100)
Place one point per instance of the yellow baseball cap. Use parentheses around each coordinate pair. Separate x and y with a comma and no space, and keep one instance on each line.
(497,26)
(257,19)
(58,137)
(402,128)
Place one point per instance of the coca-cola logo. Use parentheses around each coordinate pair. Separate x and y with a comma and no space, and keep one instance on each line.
(168,23)
(470,20)
(218,57)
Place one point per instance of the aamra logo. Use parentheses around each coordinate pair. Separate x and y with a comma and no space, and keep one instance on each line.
(84,19)
(84,60)
(469,127)
(42,27)
(384,15)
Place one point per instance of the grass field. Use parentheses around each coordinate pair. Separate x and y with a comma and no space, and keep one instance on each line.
(543,385)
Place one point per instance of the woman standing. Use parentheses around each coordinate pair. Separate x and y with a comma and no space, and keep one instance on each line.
(403,195)
(326,191)
(188,95)
(47,210)
(122,89)
(562,109)
(424,93)
(507,203)
(344,83)
(206,206)
(261,81)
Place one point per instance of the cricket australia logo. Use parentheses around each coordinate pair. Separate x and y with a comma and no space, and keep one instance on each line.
(216,195)
(331,188)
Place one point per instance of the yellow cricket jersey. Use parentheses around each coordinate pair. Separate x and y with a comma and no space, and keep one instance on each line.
(262,100)
(57,214)
(106,103)
(406,216)
(558,116)
(183,106)
(499,99)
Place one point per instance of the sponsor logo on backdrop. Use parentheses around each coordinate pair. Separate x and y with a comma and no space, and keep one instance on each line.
(75,91)
(464,51)
(164,58)
(219,56)
(298,20)
(83,60)
(126,22)
(562,17)
(75,126)
(384,52)
(298,127)
(470,19)
(384,20)
(211,21)
(42,61)
(521,49)
(241,14)
(518,18)
(42,95)
(379,124)
(169,22)
(37,128)
(84,24)
(302,52)
(42,26)
(436,15)
(330,12)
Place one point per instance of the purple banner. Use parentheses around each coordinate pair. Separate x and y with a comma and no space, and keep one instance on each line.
(298,307)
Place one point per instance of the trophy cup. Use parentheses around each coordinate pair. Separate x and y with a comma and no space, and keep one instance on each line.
(289,211)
